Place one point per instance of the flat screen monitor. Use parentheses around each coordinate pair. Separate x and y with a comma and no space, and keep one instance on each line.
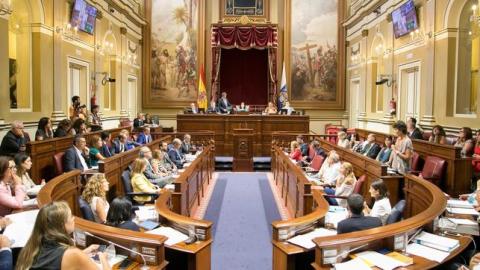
(83,16)
(404,19)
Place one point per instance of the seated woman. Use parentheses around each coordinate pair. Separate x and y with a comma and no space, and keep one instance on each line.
(82,112)
(384,155)
(402,151)
(242,107)
(95,193)
(381,208)
(96,145)
(24,163)
(120,214)
(329,171)
(344,185)
(51,246)
(10,180)
(270,109)
(465,141)
(63,129)
(295,152)
(158,163)
(44,129)
(140,183)
(79,126)
(287,109)
(148,119)
(342,140)
(438,135)
(476,157)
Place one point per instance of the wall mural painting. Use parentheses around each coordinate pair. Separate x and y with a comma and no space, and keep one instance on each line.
(314,50)
(174,49)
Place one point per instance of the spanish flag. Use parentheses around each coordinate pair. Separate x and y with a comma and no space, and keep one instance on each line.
(202,91)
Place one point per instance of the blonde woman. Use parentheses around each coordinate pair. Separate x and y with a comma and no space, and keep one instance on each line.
(50,245)
(95,193)
(140,183)
(342,140)
(344,185)
(158,158)
(270,109)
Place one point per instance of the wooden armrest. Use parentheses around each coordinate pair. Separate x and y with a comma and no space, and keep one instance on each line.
(335,196)
(141,194)
(415,172)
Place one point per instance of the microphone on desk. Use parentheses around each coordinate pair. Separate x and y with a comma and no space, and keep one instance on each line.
(144,267)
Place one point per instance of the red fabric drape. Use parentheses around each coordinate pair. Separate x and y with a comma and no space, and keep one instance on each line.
(244,38)
(244,76)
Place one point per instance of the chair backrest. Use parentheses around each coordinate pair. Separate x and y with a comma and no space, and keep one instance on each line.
(332,130)
(87,212)
(127,185)
(397,212)
(358,185)
(311,152)
(317,162)
(416,162)
(426,135)
(58,158)
(434,168)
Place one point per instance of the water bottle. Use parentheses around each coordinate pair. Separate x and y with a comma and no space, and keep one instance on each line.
(471,199)
(110,251)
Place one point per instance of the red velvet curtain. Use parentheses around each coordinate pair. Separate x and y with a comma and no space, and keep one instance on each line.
(245,75)
(244,38)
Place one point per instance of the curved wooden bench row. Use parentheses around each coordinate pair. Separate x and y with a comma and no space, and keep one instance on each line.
(67,187)
(42,152)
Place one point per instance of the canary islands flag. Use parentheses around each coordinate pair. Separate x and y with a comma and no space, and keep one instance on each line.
(283,84)
(202,91)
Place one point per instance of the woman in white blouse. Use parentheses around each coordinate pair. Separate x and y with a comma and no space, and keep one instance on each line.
(329,171)
(95,193)
(344,186)
(342,140)
(381,208)
(24,163)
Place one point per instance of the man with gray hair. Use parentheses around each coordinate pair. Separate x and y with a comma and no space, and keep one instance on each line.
(14,141)
(329,171)
(158,179)
(186,144)
(175,153)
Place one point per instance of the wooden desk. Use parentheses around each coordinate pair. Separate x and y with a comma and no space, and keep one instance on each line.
(424,201)
(223,125)
(42,152)
(306,206)
(459,170)
(180,256)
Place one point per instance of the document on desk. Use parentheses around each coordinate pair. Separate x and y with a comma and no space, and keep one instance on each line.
(173,235)
(462,211)
(146,213)
(460,204)
(21,227)
(437,241)
(427,252)
(381,261)
(357,264)
(31,202)
(305,240)
(336,214)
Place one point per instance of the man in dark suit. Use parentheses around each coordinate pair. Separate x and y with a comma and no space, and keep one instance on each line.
(186,144)
(107,149)
(77,156)
(167,162)
(175,154)
(357,221)
(121,144)
(139,121)
(144,137)
(14,141)
(224,105)
(373,151)
(303,145)
(6,259)
(412,131)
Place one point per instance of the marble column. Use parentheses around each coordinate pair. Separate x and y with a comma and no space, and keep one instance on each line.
(427,116)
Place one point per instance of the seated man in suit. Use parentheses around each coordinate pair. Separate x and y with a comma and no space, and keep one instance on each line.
(139,121)
(357,221)
(77,156)
(213,107)
(158,179)
(144,136)
(14,141)
(413,131)
(107,148)
(193,108)
(224,105)
(6,259)
(303,145)
(369,148)
(121,144)
(186,144)
(167,162)
(175,153)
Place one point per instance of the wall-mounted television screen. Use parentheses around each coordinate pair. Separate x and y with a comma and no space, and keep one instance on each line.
(83,16)
(404,19)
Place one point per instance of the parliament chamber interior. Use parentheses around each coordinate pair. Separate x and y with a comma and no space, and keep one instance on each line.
(240,134)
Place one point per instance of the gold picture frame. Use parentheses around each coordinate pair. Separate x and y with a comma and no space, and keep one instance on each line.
(231,17)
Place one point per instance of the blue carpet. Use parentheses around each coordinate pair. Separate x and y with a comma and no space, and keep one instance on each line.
(242,209)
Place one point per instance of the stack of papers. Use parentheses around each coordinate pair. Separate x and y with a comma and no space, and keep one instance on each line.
(462,211)
(335,214)
(31,202)
(173,235)
(21,228)
(381,261)
(427,252)
(305,240)
(436,241)
(460,204)
(458,225)
(146,213)
(34,190)
(357,264)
